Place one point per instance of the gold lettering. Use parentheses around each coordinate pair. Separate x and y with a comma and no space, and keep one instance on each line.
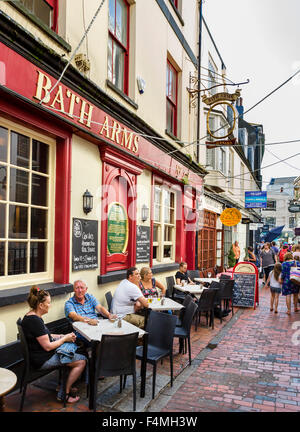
(84,114)
(127,140)
(136,144)
(43,84)
(115,132)
(74,99)
(59,99)
(105,127)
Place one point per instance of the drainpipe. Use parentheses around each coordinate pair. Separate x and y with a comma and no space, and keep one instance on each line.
(198,108)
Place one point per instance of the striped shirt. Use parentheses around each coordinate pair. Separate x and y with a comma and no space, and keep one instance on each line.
(87,309)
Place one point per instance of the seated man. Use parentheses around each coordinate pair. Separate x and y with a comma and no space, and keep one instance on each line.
(83,306)
(128,299)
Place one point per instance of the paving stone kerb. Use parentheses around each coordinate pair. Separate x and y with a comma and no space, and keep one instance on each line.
(254,367)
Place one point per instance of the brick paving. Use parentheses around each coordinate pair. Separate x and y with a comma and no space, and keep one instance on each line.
(254,367)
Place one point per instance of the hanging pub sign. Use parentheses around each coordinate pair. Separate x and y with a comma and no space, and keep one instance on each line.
(230,217)
(117,229)
(227,99)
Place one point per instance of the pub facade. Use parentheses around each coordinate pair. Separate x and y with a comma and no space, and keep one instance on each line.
(94,173)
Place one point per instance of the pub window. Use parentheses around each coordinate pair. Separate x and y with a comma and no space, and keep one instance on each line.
(25,204)
(118,55)
(171,92)
(163,225)
(45,10)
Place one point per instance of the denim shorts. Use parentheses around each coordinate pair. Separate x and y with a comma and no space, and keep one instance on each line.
(275,290)
(55,361)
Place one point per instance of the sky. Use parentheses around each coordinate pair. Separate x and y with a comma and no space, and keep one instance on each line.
(262,44)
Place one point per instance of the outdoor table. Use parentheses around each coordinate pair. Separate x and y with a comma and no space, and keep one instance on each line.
(94,334)
(192,289)
(207,280)
(8,380)
(169,304)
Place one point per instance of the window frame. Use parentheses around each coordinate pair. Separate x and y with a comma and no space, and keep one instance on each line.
(174,104)
(48,275)
(115,40)
(161,242)
(54,5)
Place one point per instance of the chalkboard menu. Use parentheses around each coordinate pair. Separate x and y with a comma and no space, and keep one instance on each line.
(142,244)
(85,244)
(244,289)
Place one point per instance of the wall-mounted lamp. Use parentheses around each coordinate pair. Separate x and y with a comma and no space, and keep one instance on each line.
(87,202)
(145,213)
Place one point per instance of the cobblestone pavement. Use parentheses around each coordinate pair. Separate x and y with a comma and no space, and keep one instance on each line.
(255,367)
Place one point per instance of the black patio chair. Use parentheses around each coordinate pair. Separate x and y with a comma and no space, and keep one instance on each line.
(224,276)
(206,305)
(183,332)
(160,328)
(115,355)
(173,292)
(217,301)
(192,274)
(109,298)
(188,299)
(31,374)
(226,294)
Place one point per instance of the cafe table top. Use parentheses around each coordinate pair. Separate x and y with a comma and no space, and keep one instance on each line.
(106,327)
(193,289)
(169,304)
(207,280)
(8,380)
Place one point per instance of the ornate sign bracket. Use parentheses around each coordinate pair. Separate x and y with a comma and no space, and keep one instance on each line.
(194,89)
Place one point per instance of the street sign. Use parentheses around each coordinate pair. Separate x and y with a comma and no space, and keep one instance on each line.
(253,227)
(256,199)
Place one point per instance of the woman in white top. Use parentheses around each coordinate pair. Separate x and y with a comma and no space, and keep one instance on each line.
(275,286)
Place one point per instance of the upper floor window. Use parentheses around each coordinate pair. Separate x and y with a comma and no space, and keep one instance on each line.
(271,205)
(212,77)
(171,99)
(45,10)
(118,44)
(292,222)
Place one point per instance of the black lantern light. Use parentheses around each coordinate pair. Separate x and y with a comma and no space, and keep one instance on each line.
(87,202)
(145,213)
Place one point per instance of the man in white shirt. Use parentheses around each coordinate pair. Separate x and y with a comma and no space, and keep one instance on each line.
(128,299)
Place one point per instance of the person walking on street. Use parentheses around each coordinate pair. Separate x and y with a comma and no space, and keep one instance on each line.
(275,249)
(288,288)
(252,258)
(282,252)
(274,283)
(236,251)
(267,260)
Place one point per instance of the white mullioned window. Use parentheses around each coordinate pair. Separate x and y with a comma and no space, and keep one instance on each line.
(26,205)
(164,225)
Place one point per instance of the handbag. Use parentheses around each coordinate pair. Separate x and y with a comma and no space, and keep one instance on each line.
(295,275)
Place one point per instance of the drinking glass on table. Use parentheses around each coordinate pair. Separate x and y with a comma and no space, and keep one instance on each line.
(209,274)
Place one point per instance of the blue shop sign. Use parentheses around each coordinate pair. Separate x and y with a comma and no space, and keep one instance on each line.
(256,199)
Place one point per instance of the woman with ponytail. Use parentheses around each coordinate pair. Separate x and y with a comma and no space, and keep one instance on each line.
(42,345)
